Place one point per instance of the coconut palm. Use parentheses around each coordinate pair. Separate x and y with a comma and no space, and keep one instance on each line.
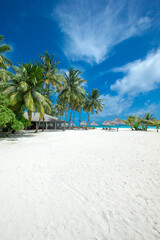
(26,89)
(72,90)
(60,108)
(5,77)
(78,107)
(4,62)
(52,79)
(156,123)
(93,103)
(130,121)
(147,120)
(51,76)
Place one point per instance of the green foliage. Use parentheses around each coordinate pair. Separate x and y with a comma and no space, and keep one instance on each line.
(156,123)
(31,86)
(130,121)
(4,62)
(20,117)
(25,90)
(52,78)
(93,102)
(135,122)
(147,120)
(8,120)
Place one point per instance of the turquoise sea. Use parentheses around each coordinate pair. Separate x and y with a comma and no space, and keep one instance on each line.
(120,126)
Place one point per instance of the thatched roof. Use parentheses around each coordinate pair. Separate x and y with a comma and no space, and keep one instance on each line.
(94,124)
(83,123)
(110,123)
(117,121)
(47,118)
(105,123)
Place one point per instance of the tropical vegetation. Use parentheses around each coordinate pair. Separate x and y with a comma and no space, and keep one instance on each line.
(137,123)
(93,103)
(38,86)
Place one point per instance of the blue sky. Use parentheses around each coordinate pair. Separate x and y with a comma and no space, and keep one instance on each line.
(116,45)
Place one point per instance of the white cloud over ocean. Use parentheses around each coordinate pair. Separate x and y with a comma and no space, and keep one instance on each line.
(92,28)
(140,76)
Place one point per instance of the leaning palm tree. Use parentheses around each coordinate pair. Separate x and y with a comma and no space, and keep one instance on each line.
(25,89)
(4,48)
(130,121)
(72,90)
(147,120)
(156,123)
(93,103)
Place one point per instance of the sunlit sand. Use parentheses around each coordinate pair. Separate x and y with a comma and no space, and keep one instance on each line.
(80,185)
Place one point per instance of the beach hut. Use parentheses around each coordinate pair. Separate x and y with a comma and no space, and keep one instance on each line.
(117,121)
(94,124)
(49,121)
(83,123)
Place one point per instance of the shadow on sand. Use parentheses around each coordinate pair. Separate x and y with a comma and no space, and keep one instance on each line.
(24,134)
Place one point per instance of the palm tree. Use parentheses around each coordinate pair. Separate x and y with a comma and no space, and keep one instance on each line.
(130,121)
(26,89)
(78,107)
(72,90)
(147,120)
(156,123)
(52,79)
(93,103)
(5,77)
(4,62)
(60,108)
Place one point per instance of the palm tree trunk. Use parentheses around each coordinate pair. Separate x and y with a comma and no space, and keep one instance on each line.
(38,125)
(70,117)
(73,119)
(43,124)
(79,119)
(65,118)
(88,121)
(29,117)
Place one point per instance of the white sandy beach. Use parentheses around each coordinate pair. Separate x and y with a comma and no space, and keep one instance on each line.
(80,185)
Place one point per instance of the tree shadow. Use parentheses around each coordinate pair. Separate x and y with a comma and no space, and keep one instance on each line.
(14,137)
(25,134)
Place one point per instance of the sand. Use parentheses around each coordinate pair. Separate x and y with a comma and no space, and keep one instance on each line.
(80,185)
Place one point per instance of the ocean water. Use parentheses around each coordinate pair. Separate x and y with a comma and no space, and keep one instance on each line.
(121,126)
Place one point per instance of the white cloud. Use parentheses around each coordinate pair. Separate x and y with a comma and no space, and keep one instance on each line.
(114,105)
(152,108)
(140,76)
(94,27)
